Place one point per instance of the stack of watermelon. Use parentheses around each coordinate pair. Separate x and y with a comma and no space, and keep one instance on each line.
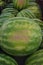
(21,32)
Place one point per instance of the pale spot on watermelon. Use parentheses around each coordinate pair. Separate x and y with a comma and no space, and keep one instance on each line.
(19,47)
(19,36)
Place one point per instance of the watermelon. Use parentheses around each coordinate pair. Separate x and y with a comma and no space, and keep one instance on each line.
(5,16)
(26,13)
(40,23)
(31,1)
(20,4)
(9,5)
(10,10)
(41,46)
(34,7)
(20,36)
(2,3)
(6,60)
(35,59)
(8,1)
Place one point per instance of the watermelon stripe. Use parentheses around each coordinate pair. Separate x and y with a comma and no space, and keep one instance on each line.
(36,58)
(35,9)
(20,4)
(26,13)
(4,59)
(18,36)
(31,13)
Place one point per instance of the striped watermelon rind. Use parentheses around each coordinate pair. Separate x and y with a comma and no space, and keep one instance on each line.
(31,1)
(20,4)
(23,43)
(40,22)
(10,10)
(35,8)
(35,59)
(7,60)
(2,3)
(4,17)
(9,5)
(26,13)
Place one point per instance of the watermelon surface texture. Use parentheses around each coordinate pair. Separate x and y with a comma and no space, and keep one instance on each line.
(20,4)
(26,13)
(35,59)
(9,5)
(34,7)
(5,16)
(20,36)
(31,1)
(10,10)
(6,60)
(2,3)
(40,22)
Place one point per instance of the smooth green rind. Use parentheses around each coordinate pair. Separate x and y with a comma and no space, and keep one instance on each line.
(18,36)
(26,13)
(35,59)
(34,7)
(6,60)
(20,4)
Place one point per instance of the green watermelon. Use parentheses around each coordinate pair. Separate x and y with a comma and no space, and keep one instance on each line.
(41,46)
(34,7)
(10,10)
(20,36)
(5,16)
(20,4)
(31,1)
(6,60)
(26,13)
(40,23)
(9,5)
(35,59)
(8,1)
(2,3)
